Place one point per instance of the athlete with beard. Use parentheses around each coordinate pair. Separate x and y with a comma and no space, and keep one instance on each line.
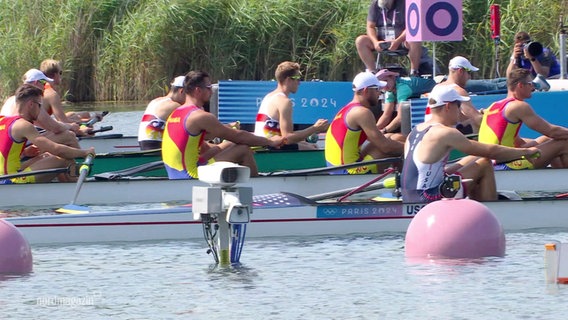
(354,124)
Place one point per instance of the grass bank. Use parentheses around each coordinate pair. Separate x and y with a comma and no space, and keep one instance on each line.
(129,49)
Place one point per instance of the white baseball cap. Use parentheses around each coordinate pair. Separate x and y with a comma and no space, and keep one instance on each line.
(178,81)
(366,79)
(459,62)
(34,75)
(443,94)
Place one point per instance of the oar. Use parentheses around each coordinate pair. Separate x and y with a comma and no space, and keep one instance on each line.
(388,183)
(33,173)
(101,129)
(303,172)
(113,175)
(83,173)
(95,119)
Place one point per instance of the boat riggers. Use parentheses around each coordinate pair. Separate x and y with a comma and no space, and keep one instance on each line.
(33,173)
(114,175)
(302,172)
(223,209)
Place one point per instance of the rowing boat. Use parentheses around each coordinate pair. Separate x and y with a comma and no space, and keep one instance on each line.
(274,215)
(147,190)
(111,188)
(239,100)
(267,161)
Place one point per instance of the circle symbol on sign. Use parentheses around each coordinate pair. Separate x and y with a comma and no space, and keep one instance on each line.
(431,23)
(413,10)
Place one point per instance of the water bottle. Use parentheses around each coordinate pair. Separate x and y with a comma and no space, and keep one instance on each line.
(551,255)
(313,138)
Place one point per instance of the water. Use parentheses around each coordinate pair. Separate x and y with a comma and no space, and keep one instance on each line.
(123,116)
(351,277)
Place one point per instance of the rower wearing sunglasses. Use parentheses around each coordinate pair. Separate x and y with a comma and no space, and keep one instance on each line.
(355,124)
(274,117)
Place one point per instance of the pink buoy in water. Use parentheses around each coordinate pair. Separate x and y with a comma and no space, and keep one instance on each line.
(15,252)
(454,228)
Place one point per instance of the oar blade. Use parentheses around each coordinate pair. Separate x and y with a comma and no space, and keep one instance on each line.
(73,209)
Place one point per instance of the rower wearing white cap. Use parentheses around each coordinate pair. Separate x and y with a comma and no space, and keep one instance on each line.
(54,130)
(354,124)
(459,72)
(151,128)
(428,146)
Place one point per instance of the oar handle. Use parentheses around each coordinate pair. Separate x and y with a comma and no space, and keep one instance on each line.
(86,166)
(101,129)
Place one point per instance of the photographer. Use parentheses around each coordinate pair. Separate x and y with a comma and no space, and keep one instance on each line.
(532,56)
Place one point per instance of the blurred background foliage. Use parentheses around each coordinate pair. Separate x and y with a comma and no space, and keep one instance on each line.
(130,49)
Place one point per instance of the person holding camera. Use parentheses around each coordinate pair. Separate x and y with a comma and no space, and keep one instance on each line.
(531,55)
(386,31)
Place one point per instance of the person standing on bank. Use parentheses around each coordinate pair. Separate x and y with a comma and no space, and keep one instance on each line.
(274,117)
(189,127)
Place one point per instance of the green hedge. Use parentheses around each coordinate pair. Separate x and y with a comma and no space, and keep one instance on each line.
(128,49)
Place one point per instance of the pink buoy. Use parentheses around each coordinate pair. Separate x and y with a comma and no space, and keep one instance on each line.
(15,252)
(454,228)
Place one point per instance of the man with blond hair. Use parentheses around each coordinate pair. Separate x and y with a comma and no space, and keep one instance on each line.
(274,117)
(52,99)
(189,127)
(503,119)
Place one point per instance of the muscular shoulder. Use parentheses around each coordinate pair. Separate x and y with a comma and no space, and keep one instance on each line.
(165,108)
(22,129)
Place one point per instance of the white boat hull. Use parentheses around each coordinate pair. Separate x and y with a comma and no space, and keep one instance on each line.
(163,190)
(274,221)
(158,190)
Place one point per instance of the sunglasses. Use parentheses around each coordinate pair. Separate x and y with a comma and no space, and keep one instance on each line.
(42,81)
(296,77)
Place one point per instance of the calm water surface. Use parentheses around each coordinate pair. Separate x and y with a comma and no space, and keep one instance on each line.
(124,116)
(352,277)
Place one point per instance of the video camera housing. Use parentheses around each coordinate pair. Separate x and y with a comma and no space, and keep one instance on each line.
(533,47)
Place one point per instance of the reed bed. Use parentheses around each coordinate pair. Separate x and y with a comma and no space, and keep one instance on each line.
(130,49)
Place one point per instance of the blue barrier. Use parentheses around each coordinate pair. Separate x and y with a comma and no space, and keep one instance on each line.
(240,100)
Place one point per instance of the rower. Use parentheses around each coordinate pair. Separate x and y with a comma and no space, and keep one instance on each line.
(427,149)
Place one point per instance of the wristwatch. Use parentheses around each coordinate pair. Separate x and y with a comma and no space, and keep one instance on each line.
(533,59)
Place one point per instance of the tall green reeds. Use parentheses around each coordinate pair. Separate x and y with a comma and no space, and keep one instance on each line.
(130,49)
